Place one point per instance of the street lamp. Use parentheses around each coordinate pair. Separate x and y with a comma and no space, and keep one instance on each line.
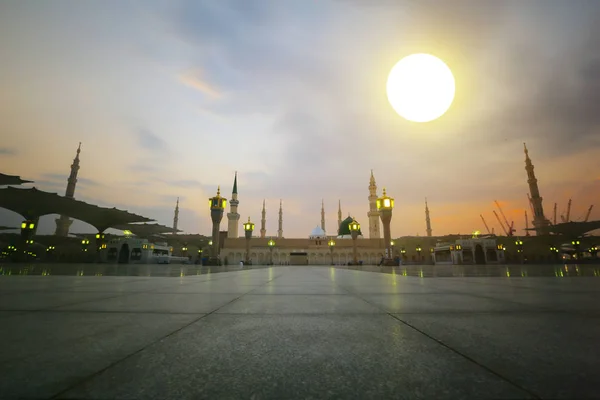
(519,244)
(84,245)
(184,250)
(271,244)
(419,250)
(199,260)
(385,205)
(217,205)
(248,228)
(576,244)
(331,244)
(392,244)
(354,229)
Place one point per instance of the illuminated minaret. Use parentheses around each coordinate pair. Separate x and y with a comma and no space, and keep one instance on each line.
(176,217)
(373,212)
(232,216)
(64,223)
(280,230)
(427,220)
(540,222)
(323,215)
(339,214)
(263,222)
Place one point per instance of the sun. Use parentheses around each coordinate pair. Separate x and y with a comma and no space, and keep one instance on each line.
(420,87)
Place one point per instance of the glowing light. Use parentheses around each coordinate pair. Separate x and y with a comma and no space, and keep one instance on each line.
(420,88)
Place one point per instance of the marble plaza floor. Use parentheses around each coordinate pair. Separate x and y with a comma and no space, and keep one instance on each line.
(301,333)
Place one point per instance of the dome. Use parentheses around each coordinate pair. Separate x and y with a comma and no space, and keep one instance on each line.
(317,233)
(345,228)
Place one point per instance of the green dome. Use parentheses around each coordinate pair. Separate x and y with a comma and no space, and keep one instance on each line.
(345,227)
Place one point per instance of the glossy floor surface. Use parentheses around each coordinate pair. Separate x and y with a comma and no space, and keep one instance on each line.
(299,332)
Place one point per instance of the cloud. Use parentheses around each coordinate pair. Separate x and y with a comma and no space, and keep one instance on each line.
(194,80)
(61,179)
(7,151)
(151,141)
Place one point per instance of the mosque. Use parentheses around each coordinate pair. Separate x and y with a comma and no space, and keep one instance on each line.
(318,248)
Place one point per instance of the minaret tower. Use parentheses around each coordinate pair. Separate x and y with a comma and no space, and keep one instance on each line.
(64,223)
(323,215)
(280,230)
(233,216)
(540,222)
(373,212)
(339,214)
(176,217)
(263,222)
(427,220)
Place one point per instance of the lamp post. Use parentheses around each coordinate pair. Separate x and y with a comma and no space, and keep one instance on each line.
(419,250)
(84,245)
(392,244)
(403,254)
(331,245)
(576,244)
(554,252)
(354,229)
(519,244)
(248,228)
(271,244)
(199,260)
(184,250)
(385,205)
(217,206)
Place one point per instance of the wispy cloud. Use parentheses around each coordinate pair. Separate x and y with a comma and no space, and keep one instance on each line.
(195,79)
(151,141)
(7,151)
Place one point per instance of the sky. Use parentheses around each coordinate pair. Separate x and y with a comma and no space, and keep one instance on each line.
(170,98)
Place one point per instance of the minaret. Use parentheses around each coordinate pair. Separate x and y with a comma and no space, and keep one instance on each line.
(427,220)
(263,222)
(176,217)
(232,216)
(64,223)
(373,212)
(280,230)
(540,222)
(339,214)
(323,215)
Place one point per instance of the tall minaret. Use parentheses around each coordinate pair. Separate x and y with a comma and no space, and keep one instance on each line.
(323,215)
(64,223)
(233,216)
(373,213)
(280,230)
(339,214)
(540,222)
(176,217)
(427,220)
(263,222)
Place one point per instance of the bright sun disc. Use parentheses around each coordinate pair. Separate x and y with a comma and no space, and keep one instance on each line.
(420,87)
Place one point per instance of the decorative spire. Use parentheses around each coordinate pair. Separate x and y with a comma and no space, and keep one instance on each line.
(235,184)
(219,191)
(323,215)
(280,230)
(64,222)
(339,214)
(427,219)
(384,192)
(263,221)
(176,217)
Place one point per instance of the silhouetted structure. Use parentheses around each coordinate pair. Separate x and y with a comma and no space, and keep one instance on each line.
(64,223)
(540,222)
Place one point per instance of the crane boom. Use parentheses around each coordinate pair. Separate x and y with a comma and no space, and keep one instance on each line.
(568,218)
(554,214)
(587,215)
(500,222)
(485,224)
(510,229)
(526,224)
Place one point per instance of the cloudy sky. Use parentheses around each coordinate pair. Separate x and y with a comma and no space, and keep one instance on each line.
(171,97)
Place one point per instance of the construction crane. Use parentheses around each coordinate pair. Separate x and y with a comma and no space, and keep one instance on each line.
(485,224)
(509,226)
(526,224)
(500,222)
(554,221)
(568,211)
(587,215)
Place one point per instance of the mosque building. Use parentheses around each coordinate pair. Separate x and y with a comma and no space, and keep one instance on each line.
(313,249)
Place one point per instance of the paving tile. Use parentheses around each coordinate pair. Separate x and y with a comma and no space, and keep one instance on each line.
(274,357)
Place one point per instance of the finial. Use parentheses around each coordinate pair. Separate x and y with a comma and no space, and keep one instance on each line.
(384,192)
(79,148)
(178,202)
(525,147)
(219,191)
(248,219)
